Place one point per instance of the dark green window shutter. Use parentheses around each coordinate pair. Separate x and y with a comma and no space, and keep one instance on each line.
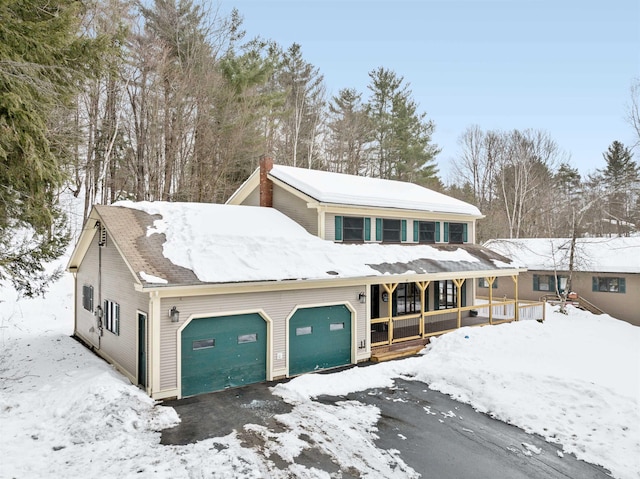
(378,229)
(416,231)
(594,283)
(437,232)
(403,226)
(464,232)
(436,299)
(536,283)
(394,303)
(495,283)
(338,234)
(367,229)
(463,292)
(552,284)
(446,232)
(622,287)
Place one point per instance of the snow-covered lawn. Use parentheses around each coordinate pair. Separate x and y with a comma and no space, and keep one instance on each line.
(65,413)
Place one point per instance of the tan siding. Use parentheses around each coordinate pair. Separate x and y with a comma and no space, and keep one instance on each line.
(296,209)
(623,306)
(118,286)
(277,305)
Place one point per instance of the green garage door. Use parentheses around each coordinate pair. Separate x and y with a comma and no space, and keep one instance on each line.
(319,338)
(223,352)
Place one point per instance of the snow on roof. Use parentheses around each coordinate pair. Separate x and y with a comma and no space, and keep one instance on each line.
(605,255)
(228,243)
(328,187)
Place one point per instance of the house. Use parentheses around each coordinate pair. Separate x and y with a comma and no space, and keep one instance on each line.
(188,298)
(606,271)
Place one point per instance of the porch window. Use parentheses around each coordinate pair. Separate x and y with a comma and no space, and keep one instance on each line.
(407,296)
(608,285)
(447,294)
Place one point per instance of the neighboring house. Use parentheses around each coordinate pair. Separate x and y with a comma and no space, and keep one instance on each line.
(187,298)
(606,271)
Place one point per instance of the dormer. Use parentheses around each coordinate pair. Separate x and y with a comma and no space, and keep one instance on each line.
(358,209)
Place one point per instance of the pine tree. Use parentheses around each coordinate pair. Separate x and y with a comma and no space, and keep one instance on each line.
(402,136)
(43,61)
(620,177)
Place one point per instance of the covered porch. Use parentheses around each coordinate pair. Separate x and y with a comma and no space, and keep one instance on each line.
(405,315)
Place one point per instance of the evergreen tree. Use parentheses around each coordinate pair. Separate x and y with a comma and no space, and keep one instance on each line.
(620,177)
(402,136)
(43,62)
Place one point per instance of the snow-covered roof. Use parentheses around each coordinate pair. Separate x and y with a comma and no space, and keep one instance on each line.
(189,243)
(605,255)
(338,188)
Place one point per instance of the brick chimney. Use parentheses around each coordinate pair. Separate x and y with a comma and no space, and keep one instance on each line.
(266,185)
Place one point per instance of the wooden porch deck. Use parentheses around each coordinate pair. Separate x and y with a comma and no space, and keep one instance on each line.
(409,334)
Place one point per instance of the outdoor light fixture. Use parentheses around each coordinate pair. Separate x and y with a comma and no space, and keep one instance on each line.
(362,297)
(174,314)
(385,296)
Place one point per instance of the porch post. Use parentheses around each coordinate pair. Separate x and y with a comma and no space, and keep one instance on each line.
(517,309)
(423,285)
(459,283)
(390,288)
(491,280)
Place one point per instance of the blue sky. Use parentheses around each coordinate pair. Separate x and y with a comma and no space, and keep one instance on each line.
(561,66)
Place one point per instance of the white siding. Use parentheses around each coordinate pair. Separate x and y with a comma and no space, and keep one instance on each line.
(296,209)
(253,199)
(278,305)
(116,284)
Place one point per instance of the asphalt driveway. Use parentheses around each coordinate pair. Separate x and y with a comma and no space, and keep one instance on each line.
(435,435)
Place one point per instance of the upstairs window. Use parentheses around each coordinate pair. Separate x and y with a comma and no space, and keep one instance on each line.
(352,229)
(427,232)
(391,231)
(87,297)
(456,233)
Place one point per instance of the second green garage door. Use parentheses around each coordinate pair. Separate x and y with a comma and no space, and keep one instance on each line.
(319,338)
(222,352)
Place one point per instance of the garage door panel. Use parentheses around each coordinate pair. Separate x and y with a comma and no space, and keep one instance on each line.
(223,352)
(320,338)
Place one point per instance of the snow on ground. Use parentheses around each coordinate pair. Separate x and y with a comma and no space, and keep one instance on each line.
(65,413)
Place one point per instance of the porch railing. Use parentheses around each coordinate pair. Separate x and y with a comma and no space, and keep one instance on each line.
(386,331)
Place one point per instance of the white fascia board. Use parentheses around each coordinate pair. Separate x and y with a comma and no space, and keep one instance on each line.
(245,189)
(253,287)
(376,211)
